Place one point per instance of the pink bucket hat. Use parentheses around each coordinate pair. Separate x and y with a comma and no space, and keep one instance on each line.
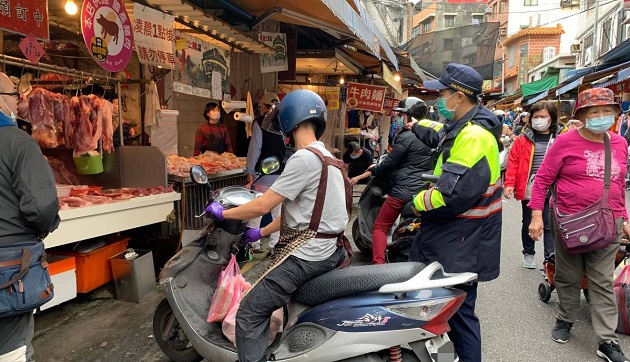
(595,97)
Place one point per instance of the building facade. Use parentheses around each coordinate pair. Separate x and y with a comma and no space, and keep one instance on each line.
(392,18)
(610,18)
(528,49)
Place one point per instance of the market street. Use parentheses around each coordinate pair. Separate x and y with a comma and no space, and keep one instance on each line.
(515,323)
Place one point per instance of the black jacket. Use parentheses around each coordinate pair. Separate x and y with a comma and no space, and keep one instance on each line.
(27,188)
(408,160)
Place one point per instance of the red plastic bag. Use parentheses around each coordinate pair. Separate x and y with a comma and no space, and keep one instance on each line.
(228,293)
(621,287)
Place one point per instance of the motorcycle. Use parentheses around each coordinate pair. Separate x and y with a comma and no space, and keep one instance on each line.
(362,313)
(399,237)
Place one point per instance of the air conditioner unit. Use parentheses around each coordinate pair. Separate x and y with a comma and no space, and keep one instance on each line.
(502,31)
(576,48)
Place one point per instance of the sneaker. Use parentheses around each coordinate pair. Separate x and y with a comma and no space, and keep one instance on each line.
(256,248)
(611,352)
(528,261)
(272,252)
(560,332)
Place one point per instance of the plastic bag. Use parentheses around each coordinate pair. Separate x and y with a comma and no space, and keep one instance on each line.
(228,293)
(229,325)
(621,287)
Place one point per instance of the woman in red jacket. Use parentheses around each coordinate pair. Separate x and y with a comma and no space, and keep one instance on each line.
(525,157)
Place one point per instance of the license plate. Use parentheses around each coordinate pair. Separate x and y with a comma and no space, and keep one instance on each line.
(441,349)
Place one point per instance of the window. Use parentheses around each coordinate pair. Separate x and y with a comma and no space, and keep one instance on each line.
(448,44)
(449,21)
(503,7)
(530,3)
(548,54)
(533,78)
(494,10)
(587,49)
(590,4)
(477,19)
(511,56)
(606,35)
(426,26)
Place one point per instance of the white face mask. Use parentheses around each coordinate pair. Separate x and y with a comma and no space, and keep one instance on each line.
(540,124)
(12,115)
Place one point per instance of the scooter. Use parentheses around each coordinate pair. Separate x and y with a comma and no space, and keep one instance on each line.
(372,313)
(401,234)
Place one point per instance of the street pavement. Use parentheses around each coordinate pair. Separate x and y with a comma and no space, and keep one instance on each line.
(515,323)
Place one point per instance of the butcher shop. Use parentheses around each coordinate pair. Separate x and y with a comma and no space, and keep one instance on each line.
(125,97)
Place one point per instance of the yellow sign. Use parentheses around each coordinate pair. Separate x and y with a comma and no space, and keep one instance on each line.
(389,78)
(181,44)
(333,100)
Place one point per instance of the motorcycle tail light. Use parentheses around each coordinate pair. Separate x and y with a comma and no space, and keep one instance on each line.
(435,312)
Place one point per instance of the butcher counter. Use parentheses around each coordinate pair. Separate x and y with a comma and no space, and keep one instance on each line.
(93,221)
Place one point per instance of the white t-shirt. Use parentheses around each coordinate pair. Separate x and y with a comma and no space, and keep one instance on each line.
(298,184)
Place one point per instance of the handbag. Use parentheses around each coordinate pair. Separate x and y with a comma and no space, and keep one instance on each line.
(24,278)
(592,228)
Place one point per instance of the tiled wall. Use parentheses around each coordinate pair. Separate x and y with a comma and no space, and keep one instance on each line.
(190,117)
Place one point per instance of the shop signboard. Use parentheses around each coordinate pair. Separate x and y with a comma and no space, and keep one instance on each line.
(621,87)
(107,33)
(389,78)
(332,98)
(195,63)
(32,50)
(277,60)
(366,97)
(390,103)
(25,17)
(523,64)
(153,36)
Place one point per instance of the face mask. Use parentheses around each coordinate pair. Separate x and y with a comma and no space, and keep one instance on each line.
(12,115)
(599,124)
(540,124)
(449,114)
(400,122)
(354,157)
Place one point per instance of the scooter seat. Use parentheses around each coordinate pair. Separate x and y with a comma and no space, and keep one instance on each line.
(354,280)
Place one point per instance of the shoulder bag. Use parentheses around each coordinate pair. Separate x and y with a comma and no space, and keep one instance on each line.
(590,229)
(24,279)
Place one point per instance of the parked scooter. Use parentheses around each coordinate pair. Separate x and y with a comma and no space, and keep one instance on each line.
(370,313)
(399,237)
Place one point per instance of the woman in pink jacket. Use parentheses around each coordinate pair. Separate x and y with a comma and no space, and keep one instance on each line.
(575,163)
(526,156)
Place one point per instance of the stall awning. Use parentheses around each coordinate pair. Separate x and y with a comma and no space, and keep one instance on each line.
(336,17)
(199,20)
(540,96)
(539,85)
(612,79)
(618,54)
(566,88)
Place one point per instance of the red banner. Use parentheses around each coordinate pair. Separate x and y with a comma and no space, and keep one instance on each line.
(390,102)
(619,88)
(25,17)
(366,97)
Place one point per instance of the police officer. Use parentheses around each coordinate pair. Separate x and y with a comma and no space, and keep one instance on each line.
(461,214)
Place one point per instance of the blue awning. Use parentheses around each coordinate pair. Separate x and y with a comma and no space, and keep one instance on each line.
(612,79)
(540,96)
(569,86)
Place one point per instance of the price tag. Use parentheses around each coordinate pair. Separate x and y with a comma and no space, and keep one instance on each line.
(32,50)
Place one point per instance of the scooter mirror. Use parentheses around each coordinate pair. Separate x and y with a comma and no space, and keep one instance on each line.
(270,165)
(199,175)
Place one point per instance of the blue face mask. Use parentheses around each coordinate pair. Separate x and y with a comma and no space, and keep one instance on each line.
(400,122)
(440,104)
(599,124)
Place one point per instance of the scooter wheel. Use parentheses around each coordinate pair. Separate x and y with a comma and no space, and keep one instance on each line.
(544,292)
(176,346)
(364,246)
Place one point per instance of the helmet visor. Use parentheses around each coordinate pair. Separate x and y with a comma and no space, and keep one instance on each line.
(271,122)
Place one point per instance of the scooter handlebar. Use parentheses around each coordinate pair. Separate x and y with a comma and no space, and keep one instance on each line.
(430,178)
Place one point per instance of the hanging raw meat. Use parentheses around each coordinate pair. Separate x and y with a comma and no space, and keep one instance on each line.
(96,118)
(82,125)
(108,126)
(41,115)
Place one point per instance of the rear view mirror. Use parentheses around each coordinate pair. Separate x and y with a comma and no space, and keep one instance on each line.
(270,165)
(198,175)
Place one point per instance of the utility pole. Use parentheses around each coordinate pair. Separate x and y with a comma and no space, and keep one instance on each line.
(595,34)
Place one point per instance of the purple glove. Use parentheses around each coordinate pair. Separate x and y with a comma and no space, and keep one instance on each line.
(215,210)
(251,235)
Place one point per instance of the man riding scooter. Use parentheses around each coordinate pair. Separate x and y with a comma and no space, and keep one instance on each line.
(311,243)
(408,160)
